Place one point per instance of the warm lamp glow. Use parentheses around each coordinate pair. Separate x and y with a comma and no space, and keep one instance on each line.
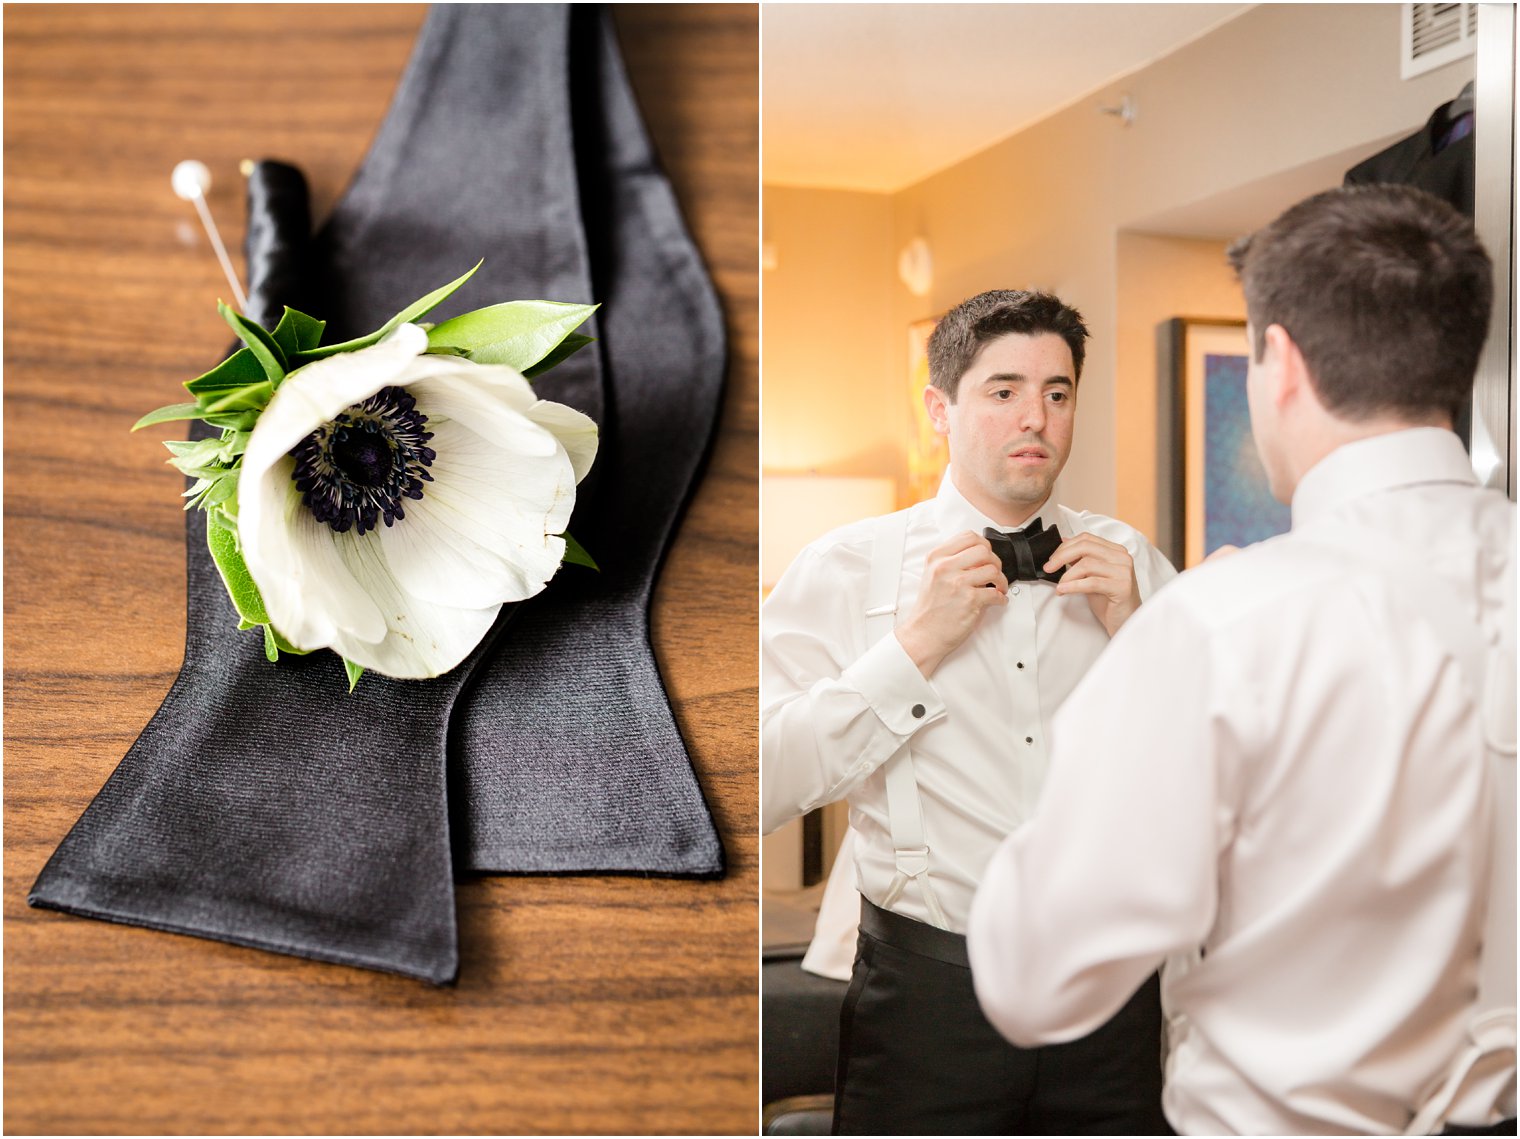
(915,267)
(795,509)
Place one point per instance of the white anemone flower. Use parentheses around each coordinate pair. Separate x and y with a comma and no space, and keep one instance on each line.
(390,502)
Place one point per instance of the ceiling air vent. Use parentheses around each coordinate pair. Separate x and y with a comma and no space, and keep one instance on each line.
(1436,34)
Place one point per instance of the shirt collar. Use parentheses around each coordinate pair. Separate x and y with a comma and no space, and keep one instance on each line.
(1400,458)
(953,513)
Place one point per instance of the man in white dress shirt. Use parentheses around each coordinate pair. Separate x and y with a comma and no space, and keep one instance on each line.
(947,714)
(1277,777)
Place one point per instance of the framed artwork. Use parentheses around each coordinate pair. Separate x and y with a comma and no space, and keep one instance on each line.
(1213,489)
(928,453)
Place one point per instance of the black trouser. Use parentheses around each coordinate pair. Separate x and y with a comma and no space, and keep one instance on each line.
(1503,1127)
(916,1055)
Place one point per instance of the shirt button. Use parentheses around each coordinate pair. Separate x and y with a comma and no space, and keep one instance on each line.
(1029,739)
(918,711)
(1021,664)
(1013,589)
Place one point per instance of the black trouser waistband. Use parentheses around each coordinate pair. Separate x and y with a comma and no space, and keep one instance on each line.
(913,936)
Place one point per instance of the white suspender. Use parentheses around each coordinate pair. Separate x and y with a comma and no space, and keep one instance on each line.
(904,812)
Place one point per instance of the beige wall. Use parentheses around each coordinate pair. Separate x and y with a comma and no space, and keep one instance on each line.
(1221,125)
(1158,278)
(831,368)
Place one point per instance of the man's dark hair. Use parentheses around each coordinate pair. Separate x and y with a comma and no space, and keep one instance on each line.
(970,325)
(1385,290)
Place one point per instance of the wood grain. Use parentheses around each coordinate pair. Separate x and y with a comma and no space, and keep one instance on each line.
(600,1005)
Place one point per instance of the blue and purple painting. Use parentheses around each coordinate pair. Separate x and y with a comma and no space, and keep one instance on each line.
(1238,507)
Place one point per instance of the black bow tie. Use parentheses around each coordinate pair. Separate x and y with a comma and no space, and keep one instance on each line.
(1024,552)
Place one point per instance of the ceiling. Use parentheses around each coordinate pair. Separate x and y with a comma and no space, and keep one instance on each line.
(879,96)
(1248,207)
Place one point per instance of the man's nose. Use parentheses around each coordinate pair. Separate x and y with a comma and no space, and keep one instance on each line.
(1032,415)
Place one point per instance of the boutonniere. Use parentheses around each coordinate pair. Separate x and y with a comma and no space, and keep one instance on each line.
(384,497)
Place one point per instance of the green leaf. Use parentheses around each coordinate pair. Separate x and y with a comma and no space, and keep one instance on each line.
(269,354)
(197,491)
(420,308)
(282,644)
(576,555)
(236,371)
(215,492)
(235,420)
(199,453)
(188,446)
(298,332)
(215,489)
(412,312)
(222,540)
(517,333)
(223,488)
(245,595)
(188,468)
(170,414)
(254,397)
(568,347)
(225,512)
(355,671)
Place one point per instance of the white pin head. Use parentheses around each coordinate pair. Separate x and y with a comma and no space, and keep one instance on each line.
(190,179)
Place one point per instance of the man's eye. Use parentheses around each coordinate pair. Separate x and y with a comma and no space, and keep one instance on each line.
(1004,394)
(1058,397)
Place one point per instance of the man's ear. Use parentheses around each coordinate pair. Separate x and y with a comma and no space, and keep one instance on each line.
(1284,363)
(936,404)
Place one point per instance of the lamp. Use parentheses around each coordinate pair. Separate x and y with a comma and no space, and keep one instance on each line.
(915,267)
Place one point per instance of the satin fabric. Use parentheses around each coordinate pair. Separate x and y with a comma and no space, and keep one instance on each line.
(568,757)
(1023,553)
(264,805)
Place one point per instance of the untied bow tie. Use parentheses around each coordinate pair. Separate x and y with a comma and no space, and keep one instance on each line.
(1024,552)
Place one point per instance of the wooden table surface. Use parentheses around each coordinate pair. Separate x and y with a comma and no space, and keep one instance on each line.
(603,1005)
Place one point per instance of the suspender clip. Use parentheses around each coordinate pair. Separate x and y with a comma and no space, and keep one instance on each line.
(913,861)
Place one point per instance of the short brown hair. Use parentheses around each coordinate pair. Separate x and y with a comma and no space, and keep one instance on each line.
(1384,288)
(963,331)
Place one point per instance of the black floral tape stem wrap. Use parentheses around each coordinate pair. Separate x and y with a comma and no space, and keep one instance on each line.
(264,805)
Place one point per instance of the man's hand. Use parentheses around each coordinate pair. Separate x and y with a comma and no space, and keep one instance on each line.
(951,600)
(1104,571)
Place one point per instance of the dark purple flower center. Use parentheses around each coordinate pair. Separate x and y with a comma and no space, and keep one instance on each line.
(364,457)
(355,471)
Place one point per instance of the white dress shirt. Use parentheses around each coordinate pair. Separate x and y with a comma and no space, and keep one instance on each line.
(1277,763)
(833,710)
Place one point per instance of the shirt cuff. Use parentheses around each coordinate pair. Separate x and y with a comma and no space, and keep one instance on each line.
(894,688)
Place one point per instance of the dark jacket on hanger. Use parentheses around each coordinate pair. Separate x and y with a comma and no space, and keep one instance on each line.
(1422,160)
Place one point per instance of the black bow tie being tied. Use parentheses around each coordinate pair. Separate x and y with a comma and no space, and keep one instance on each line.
(1024,552)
